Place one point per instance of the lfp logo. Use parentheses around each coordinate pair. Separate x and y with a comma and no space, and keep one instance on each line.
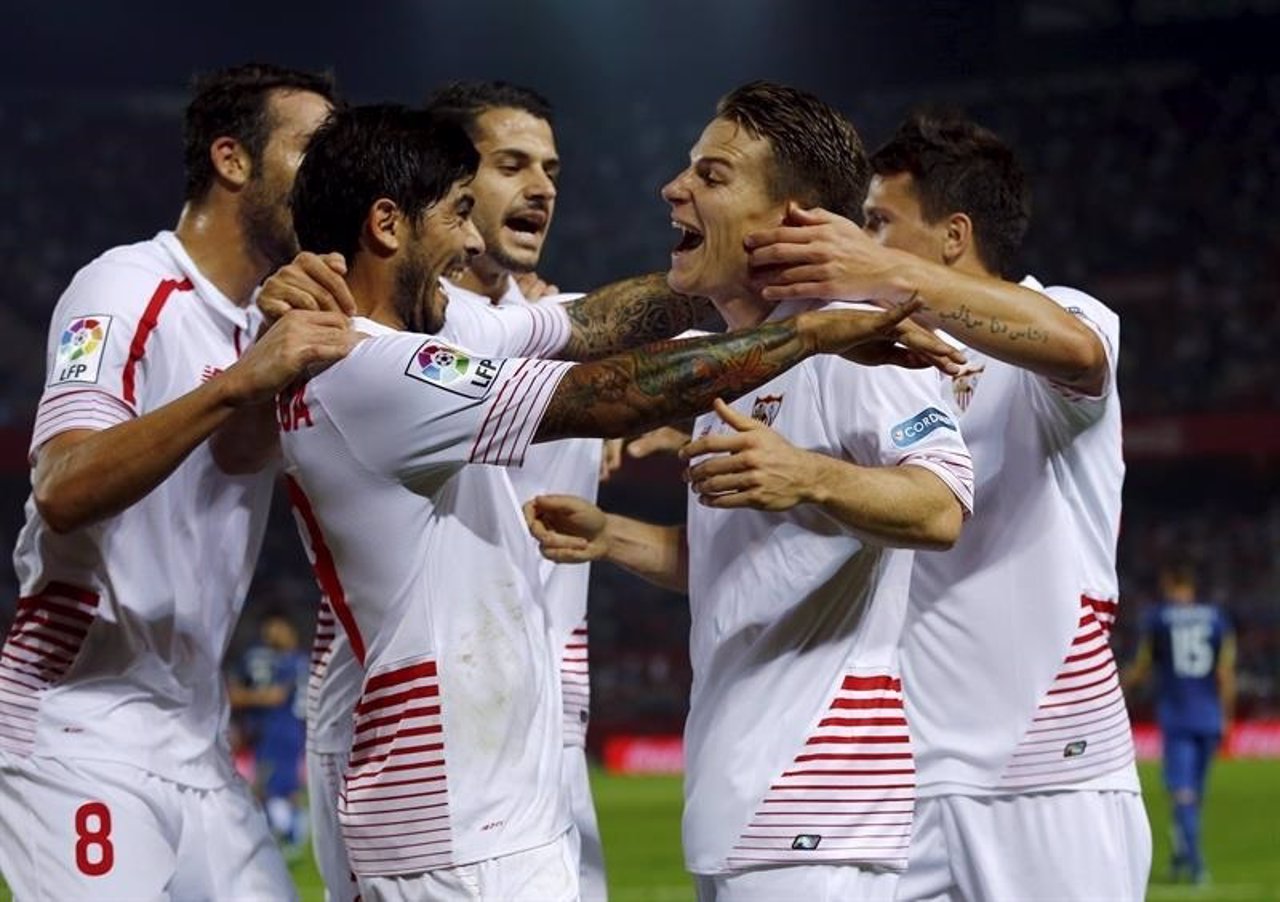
(80,349)
(443,364)
(454,370)
(908,432)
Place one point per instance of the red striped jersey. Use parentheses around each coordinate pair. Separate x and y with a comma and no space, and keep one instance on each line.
(1010,681)
(424,558)
(115,651)
(514,328)
(797,749)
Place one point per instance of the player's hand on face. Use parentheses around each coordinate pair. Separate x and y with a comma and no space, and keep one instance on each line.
(568,529)
(300,342)
(310,282)
(610,458)
(817,254)
(663,440)
(533,288)
(753,466)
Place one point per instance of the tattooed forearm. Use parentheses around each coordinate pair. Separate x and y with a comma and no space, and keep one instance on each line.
(665,381)
(1027,333)
(962,316)
(628,314)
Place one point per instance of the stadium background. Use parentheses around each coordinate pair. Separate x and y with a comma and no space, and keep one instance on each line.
(1151,130)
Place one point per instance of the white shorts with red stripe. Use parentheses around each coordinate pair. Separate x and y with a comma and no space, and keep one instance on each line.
(1062,846)
(807,882)
(545,873)
(324,788)
(78,829)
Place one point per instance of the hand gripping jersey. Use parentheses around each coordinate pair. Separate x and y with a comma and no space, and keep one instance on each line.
(455,754)
(115,651)
(797,751)
(1011,685)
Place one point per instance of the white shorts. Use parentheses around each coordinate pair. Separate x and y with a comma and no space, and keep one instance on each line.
(542,874)
(807,882)
(1082,845)
(99,830)
(584,835)
(324,784)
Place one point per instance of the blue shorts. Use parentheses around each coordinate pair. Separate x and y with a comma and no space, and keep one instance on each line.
(278,771)
(1186,759)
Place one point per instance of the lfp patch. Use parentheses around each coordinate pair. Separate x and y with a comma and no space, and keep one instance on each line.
(452,369)
(80,350)
(908,432)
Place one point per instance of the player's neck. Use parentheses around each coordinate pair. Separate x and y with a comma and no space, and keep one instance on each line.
(484,277)
(219,248)
(373,289)
(743,311)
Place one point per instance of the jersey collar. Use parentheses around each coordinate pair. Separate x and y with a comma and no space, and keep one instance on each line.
(245,318)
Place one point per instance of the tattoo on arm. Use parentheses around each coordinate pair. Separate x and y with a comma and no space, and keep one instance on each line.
(963,316)
(628,314)
(640,390)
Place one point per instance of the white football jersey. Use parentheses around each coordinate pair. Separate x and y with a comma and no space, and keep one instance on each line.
(519,330)
(116,649)
(455,755)
(796,746)
(1011,684)
(568,467)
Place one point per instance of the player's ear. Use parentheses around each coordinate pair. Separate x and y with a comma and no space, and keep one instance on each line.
(384,227)
(957,239)
(231,162)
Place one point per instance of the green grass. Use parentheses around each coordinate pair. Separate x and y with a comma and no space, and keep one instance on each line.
(640,819)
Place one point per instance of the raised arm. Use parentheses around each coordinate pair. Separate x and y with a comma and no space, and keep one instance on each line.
(83,475)
(630,313)
(820,254)
(630,393)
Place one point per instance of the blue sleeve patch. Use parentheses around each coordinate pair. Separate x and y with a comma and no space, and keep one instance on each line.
(908,432)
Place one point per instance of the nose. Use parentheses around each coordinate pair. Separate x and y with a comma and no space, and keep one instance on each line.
(676,191)
(472,243)
(541,185)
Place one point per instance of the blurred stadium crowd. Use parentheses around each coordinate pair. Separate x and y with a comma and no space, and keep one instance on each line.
(1155,189)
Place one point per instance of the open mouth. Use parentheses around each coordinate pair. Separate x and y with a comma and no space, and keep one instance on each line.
(528,222)
(690,238)
(456,269)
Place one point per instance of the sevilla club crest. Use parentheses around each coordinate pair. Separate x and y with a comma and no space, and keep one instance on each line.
(964,383)
(766,409)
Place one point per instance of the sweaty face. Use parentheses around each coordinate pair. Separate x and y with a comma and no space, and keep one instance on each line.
(722,195)
(265,216)
(515,187)
(441,244)
(895,219)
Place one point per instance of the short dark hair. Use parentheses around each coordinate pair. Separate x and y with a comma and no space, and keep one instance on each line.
(960,167)
(818,158)
(463,101)
(364,153)
(234,102)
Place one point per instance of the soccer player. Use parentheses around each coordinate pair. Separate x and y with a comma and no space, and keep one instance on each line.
(799,776)
(515,197)
(268,688)
(453,784)
(1192,647)
(1027,782)
(149,497)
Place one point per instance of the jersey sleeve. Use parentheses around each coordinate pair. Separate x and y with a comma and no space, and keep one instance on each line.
(890,416)
(410,405)
(512,330)
(1061,403)
(95,368)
